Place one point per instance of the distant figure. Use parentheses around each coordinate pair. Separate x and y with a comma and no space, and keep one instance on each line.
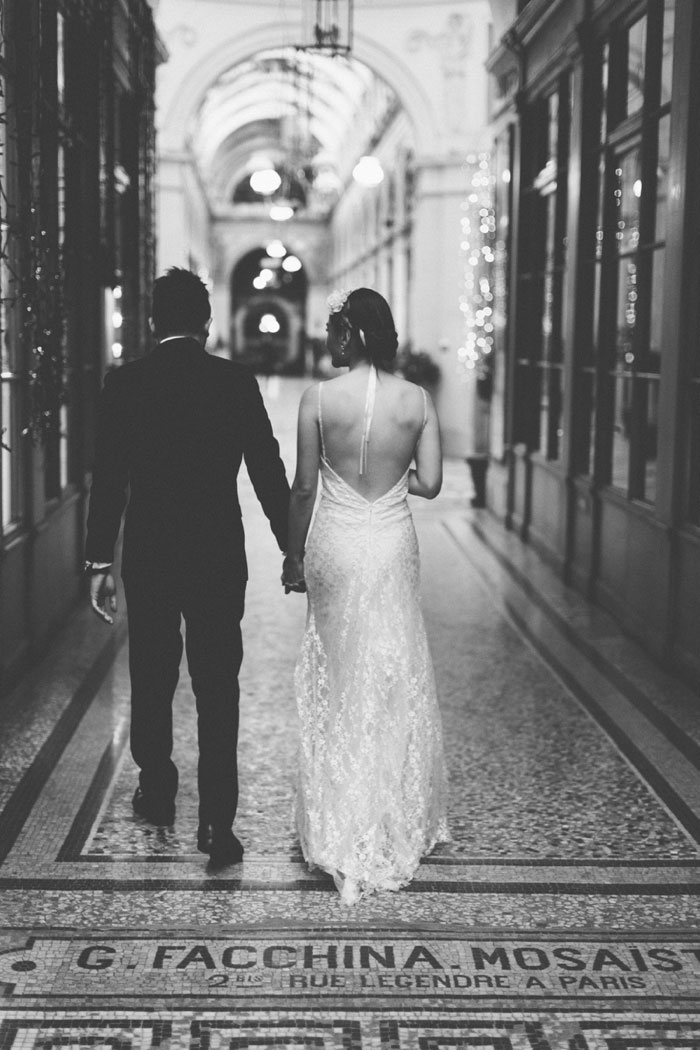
(173,428)
(372,793)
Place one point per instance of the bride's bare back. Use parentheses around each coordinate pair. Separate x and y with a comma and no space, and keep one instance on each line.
(402,418)
(404,428)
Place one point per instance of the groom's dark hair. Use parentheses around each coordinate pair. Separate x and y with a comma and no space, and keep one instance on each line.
(180,303)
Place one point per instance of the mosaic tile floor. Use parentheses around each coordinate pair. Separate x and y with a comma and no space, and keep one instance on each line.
(564,914)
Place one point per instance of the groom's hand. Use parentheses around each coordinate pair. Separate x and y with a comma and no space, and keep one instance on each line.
(293,576)
(103,593)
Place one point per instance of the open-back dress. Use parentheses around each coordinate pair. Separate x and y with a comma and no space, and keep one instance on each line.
(371,798)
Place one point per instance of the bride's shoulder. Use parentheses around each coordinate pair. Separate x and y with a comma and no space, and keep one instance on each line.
(407,392)
(325,387)
(336,381)
(333,387)
(308,403)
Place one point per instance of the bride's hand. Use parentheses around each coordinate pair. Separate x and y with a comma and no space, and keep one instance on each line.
(293,575)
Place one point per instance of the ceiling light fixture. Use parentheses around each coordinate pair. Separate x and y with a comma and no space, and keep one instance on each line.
(327,26)
(269,324)
(291,264)
(281,212)
(265,182)
(368,172)
(276,250)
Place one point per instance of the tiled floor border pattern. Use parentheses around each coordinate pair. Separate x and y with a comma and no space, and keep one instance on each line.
(72,866)
(340,1031)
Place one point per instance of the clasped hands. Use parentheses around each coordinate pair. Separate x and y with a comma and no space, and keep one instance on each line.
(293,575)
(103,594)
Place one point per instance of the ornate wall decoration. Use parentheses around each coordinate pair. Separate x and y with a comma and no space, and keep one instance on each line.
(453,47)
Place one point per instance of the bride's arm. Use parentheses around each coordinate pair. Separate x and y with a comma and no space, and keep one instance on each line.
(303,495)
(426,479)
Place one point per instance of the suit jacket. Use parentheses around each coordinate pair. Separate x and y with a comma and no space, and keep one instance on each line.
(172,430)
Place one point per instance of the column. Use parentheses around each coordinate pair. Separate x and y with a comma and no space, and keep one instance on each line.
(437,274)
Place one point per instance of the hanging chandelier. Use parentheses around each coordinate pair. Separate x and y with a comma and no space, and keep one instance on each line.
(327,26)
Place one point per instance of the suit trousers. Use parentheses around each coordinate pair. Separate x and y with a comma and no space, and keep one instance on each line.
(212,610)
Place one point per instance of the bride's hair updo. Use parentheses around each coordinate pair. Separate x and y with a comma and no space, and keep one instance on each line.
(369,314)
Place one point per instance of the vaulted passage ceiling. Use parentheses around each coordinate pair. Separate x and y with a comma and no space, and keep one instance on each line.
(308,115)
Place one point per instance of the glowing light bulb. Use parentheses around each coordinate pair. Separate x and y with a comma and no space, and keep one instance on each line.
(368,172)
(291,264)
(265,182)
(269,323)
(281,212)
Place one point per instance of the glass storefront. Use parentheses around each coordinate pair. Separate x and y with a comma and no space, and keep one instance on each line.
(542,277)
(601,467)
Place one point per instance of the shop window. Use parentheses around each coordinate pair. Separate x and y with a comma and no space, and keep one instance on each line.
(542,277)
(694,446)
(585,374)
(60,61)
(57,473)
(602,73)
(636,40)
(11,457)
(503,206)
(626,194)
(628,250)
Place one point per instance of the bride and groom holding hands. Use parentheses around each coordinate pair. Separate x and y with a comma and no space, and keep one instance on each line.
(173,428)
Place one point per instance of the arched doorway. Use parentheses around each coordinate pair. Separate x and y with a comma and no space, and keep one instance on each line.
(268,310)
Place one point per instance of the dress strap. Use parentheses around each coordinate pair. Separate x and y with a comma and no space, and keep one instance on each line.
(320,422)
(367,422)
(425,408)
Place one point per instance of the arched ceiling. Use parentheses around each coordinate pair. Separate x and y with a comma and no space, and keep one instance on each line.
(294,107)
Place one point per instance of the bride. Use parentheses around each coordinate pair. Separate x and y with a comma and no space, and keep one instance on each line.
(371,795)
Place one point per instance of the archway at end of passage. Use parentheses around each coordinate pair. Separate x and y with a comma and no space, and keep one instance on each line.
(269,288)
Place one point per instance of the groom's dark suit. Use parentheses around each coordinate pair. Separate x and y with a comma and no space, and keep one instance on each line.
(172,430)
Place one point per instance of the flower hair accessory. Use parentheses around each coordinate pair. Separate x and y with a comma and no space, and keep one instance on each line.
(336,301)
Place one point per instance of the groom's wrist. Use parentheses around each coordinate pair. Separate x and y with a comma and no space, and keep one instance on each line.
(96,568)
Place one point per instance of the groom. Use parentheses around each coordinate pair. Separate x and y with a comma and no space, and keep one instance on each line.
(172,429)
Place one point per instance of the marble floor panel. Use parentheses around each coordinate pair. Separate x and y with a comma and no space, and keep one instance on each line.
(564,913)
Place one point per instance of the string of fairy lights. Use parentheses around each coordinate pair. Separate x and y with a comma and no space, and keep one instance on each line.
(478,241)
(32,284)
(41,298)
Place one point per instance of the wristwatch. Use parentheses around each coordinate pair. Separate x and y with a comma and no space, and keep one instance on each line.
(96,568)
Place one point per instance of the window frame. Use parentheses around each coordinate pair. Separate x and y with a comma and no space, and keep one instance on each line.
(539,358)
(625,132)
(59,460)
(11,371)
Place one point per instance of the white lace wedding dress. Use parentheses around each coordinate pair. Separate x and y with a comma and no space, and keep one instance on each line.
(371,798)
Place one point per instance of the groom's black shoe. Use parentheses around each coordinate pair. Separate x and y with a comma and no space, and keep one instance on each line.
(221,844)
(154,810)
